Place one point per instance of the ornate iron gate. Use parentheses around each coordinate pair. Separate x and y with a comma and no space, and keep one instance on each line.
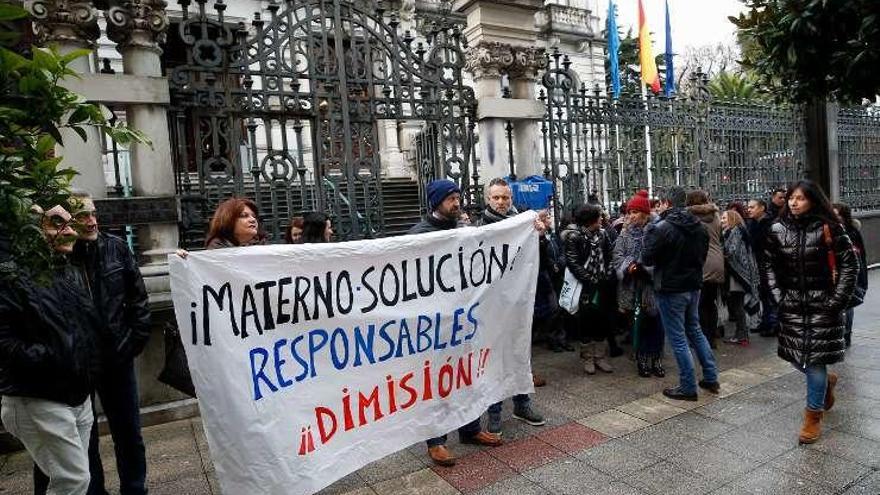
(285,111)
(607,148)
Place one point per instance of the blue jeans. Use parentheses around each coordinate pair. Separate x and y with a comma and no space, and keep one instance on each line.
(817,383)
(117,389)
(465,431)
(680,315)
(520,401)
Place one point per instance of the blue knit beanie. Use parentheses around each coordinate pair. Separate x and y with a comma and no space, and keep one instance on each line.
(438,190)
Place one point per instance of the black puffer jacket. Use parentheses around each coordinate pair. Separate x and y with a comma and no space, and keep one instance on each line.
(118,292)
(48,339)
(796,270)
(676,247)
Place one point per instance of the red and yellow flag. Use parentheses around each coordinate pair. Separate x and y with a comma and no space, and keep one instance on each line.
(646,54)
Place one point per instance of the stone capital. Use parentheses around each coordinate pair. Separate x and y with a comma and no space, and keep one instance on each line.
(64,21)
(528,63)
(488,59)
(137,23)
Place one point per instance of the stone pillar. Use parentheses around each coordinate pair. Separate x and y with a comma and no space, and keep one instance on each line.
(138,27)
(394,162)
(486,61)
(498,30)
(528,64)
(73,25)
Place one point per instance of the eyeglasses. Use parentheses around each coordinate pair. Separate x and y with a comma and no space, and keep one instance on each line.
(84,215)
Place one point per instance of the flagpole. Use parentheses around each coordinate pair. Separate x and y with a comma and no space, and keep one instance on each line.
(648,160)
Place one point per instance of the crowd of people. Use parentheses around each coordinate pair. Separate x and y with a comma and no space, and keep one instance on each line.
(654,272)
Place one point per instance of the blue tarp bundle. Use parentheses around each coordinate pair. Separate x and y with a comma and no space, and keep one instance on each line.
(531,193)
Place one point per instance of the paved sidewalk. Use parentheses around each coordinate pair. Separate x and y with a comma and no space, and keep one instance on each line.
(612,434)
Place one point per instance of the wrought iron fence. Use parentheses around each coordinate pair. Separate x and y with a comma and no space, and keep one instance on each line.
(607,148)
(858,143)
(286,110)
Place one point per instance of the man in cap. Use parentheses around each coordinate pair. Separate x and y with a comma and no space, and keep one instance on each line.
(444,203)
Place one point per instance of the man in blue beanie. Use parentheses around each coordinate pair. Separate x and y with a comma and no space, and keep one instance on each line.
(444,201)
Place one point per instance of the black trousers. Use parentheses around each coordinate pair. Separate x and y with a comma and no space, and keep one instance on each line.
(118,392)
(709,309)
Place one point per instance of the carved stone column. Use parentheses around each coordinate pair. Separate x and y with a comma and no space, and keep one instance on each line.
(138,27)
(487,61)
(73,25)
(527,67)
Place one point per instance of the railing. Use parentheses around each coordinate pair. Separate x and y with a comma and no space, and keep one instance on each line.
(605,148)
(858,142)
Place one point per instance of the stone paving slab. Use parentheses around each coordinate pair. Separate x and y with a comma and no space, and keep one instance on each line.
(608,434)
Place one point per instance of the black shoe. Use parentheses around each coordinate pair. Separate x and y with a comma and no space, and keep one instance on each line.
(568,347)
(713,387)
(657,368)
(644,369)
(555,348)
(677,394)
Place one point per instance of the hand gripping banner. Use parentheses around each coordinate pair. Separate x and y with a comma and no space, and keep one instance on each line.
(311,361)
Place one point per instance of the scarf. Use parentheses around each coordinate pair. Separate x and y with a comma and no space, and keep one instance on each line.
(742,266)
(596,267)
(491,216)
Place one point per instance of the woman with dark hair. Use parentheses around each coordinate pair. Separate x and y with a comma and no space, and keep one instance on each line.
(235,223)
(316,228)
(853,230)
(588,258)
(738,207)
(294,232)
(810,269)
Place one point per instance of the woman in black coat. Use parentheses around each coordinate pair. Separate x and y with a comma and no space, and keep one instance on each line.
(810,269)
(588,258)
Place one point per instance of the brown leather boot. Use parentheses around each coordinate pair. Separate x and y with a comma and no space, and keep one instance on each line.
(812,427)
(484,438)
(537,381)
(829,391)
(441,455)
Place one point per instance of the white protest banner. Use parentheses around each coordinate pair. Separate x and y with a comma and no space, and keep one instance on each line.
(311,361)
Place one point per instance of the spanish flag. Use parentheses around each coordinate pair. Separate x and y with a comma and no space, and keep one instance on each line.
(646,54)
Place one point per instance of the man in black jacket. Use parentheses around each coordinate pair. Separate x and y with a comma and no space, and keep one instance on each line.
(49,360)
(117,290)
(444,203)
(676,246)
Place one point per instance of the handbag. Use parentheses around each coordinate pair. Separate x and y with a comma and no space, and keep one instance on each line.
(175,373)
(570,295)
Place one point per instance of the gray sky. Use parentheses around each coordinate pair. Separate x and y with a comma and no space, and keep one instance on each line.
(694,22)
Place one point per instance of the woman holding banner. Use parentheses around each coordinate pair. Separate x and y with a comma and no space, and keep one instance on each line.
(235,224)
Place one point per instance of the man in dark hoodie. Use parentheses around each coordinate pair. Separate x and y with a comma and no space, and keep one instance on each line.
(676,246)
(444,202)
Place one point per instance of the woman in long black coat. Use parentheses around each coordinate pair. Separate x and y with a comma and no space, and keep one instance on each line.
(810,269)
